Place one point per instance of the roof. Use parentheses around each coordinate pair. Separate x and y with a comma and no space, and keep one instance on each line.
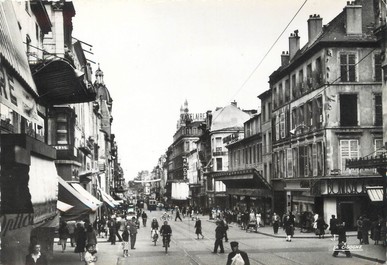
(333,34)
(228,117)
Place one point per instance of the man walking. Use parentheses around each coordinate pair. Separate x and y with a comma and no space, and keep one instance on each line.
(178,214)
(237,256)
(133,232)
(219,233)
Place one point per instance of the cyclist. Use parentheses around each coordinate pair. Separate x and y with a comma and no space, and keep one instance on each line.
(155,228)
(166,232)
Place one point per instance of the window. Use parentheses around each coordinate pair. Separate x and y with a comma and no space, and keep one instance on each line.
(318,112)
(219,164)
(289,163)
(378,68)
(275,97)
(294,89)
(348,110)
(287,90)
(320,159)
(303,160)
(187,146)
(295,162)
(301,115)
(349,149)
(301,81)
(347,67)
(378,147)
(294,118)
(280,94)
(218,144)
(263,115)
(378,110)
(309,115)
(319,74)
(61,129)
(282,125)
(309,78)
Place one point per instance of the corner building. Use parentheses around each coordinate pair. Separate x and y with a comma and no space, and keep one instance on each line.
(327,108)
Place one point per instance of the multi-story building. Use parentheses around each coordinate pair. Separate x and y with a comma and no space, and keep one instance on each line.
(222,123)
(246,187)
(184,141)
(50,126)
(326,100)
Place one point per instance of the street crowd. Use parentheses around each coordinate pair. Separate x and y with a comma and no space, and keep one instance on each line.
(121,226)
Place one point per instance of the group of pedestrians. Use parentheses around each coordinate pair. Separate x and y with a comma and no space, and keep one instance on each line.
(365,226)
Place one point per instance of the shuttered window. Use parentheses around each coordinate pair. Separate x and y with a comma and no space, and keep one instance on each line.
(349,149)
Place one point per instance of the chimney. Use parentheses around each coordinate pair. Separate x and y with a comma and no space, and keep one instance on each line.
(284,58)
(234,103)
(314,27)
(354,18)
(294,44)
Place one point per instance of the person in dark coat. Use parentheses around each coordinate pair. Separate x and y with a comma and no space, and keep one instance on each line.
(64,234)
(288,227)
(133,232)
(235,250)
(365,230)
(36,257)
(178,215)
(198,228)
(321,226)
(342,244)
(219,234)
(80,239)
(112,230)
(333,226)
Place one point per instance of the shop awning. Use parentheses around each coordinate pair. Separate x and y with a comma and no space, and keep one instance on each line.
(375,193)
(108,199)
(58,82)
(86,194)
(242,179)
(63,207)
(82,205)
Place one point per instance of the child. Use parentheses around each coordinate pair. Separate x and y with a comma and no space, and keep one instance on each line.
(125,243)
(90,255)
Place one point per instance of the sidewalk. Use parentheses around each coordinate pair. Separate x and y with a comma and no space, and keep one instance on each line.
(371,252)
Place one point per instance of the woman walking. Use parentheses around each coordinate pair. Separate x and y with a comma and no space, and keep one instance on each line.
(91,236)
(321,226)
(80,239)
(288,227)
(198,226)
(63,234)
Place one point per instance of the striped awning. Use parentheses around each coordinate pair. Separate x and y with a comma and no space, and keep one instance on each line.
(375,193)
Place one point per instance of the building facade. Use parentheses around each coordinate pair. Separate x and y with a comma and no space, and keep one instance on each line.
(323,96)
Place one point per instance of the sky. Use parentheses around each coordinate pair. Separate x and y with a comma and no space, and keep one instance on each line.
(155,54)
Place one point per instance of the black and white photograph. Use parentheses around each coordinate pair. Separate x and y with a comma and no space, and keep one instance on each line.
(201,132)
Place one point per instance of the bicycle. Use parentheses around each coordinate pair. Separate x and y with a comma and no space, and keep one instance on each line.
(166,217)
(155,236)
(166,241)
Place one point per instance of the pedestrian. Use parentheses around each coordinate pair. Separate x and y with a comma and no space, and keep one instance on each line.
(71,225)
(133,232)
(342,241)
(90,255)
(154,229)
(219,233)
(91,236)
(376,230)
(333,226)
(275,220)
(64,234)
(125,241)
(80,239)
(359,224)
(144,217)
(112,230)
(225,228)
(288,227)
(321,226)
(178,214)
(36,257)
(198,228)
(365,230)
(118,228)
(237,257)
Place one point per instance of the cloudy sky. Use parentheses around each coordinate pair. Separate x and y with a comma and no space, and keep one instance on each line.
(157,53)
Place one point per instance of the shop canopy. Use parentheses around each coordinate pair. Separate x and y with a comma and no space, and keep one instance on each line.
(108,199)
(82,205)
(375,193)
(63,207)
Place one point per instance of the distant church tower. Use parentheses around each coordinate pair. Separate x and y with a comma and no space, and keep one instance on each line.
(184,115)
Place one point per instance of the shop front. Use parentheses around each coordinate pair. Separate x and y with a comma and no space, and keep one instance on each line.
(248,190)
(29,208)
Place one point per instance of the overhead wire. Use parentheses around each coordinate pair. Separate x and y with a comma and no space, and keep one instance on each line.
(271,47)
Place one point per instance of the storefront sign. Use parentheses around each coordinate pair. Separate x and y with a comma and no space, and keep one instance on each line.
(12,222)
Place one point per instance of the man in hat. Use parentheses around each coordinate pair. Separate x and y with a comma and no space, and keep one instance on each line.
(133,232)
(237,256)
(219,233)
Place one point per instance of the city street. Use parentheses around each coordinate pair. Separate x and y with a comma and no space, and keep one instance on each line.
(261,248)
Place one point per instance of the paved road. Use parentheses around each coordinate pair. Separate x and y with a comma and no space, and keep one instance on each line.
(262,249)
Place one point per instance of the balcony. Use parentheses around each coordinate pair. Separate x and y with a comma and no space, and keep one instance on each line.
(67,152)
